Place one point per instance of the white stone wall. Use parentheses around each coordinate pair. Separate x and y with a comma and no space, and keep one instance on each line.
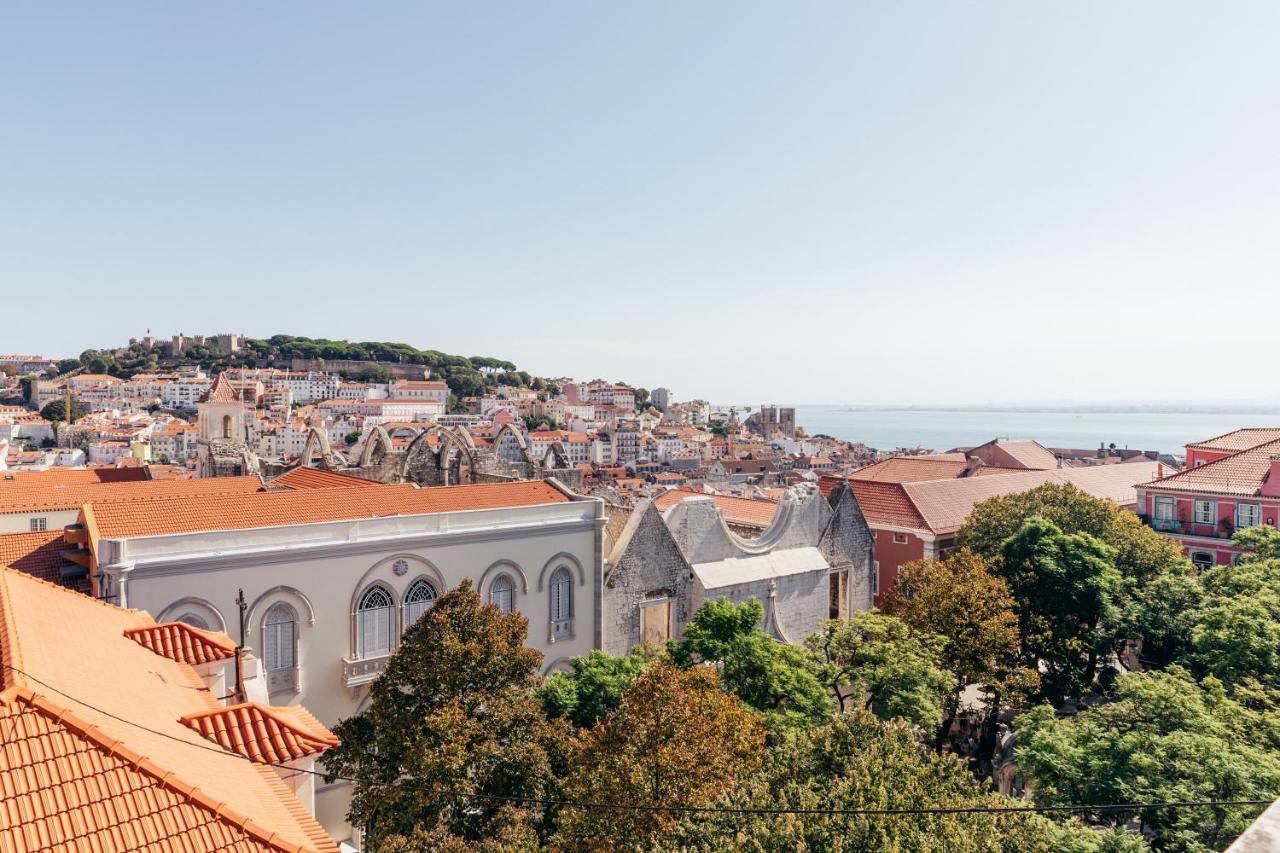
(320,571)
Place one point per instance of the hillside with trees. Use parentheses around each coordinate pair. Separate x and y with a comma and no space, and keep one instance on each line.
(465,376)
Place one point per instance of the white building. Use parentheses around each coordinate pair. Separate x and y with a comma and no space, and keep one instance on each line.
(332,576)
(183,393)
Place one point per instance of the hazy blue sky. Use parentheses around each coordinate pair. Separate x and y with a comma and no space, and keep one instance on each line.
(845,202)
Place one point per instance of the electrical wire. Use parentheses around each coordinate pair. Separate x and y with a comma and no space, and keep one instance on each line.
(675,809)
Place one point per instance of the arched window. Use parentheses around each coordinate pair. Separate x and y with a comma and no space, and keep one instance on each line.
(280,638)
(226,426)
(503,593)
(373,623)
(194,621)
(561,595)
(1202,559)
(417,600)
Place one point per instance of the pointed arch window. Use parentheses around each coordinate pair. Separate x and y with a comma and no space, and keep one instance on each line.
(416,601)
(502,593)
(280,638)
(373,623)
(561,595)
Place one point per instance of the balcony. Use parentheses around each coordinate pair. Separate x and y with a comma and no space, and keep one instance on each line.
(561,629)
(358,671)
(1222,529)
(282,680)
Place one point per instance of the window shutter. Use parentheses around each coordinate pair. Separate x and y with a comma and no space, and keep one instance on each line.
(271,646)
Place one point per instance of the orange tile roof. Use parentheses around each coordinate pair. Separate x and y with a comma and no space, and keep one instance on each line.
(1241,474)
(1237,440)
(77,476)
(161,516)
(941,506)
(75,776)
(183,643)
(221,391)
(910,469)
(267,734)
(748,512)
(37,554)
(315,478)
(885,504)
(1031,455)
(23,495)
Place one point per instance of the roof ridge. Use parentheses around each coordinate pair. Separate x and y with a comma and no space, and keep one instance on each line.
(68,718)
(5,570)
(288,720)
(221,642)
(10,651)
(1206,441)
(1229,457)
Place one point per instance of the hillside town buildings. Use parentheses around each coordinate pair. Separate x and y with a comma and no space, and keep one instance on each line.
(338,510)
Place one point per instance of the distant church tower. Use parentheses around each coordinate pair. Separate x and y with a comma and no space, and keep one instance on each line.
(222,448)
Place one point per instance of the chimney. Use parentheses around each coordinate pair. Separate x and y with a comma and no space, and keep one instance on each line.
(1271,482)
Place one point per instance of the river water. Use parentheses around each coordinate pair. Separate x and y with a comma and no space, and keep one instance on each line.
(886,429)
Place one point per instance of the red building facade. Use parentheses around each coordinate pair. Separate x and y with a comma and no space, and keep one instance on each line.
(1231,482)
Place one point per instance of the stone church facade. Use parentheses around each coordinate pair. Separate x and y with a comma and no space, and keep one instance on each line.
(812,563)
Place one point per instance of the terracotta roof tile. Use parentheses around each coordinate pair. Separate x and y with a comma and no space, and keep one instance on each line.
(262,733)
(748,512)
(1240,439)
(909,469)
(183,643)
(24,495)
(1242,473)
(75,776)
(315,478)
(941,506)
(886,504)
(221,391)
(77,476)
(37,554)
(161,516)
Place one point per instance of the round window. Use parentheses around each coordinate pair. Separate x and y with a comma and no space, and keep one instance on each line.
(400,567)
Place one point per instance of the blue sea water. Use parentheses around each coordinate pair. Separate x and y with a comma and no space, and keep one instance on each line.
(886,429)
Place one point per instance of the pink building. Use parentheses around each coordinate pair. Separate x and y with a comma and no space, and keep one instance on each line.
(1230,482)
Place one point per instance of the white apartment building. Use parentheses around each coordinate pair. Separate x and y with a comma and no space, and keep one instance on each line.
(331,584)
(390,410)
(183,393)
(490,406)
(306,386)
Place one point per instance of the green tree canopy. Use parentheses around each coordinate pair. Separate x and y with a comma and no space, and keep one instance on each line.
(880,663)
(1165,739)
(858,762)
(1140,552)
(452,720)
(594,687)
(1236,631)
(1065,587)
(56,410)
(777,679)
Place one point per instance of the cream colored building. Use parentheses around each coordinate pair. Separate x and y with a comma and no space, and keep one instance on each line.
(331,576)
